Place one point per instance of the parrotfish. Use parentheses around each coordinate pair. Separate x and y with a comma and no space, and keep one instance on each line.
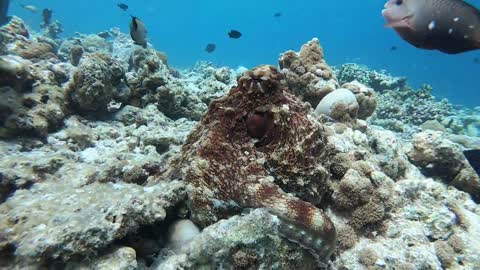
(450,26)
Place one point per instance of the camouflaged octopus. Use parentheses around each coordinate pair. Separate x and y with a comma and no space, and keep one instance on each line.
(250,144)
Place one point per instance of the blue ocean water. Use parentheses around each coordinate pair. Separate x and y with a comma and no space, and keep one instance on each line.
(349,31)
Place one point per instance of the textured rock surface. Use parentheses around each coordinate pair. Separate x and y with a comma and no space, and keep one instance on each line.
(307,73)
(95,83)
(365,97)
(151,81)
(442,158)
(56,221)
(117,258)
(416,226)
(242,242)
(341,105)
(19,42)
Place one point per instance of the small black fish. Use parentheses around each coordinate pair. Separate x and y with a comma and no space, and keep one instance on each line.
(393,48)
(47,16)
(210,47)
(234,34)
(473,157)
(122,6)
(278,14)
(4,18)
(476,60)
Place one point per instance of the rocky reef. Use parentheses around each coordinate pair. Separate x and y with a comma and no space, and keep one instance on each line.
(307,73)
(113,159)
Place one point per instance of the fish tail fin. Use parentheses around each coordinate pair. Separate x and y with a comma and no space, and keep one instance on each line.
(473,157)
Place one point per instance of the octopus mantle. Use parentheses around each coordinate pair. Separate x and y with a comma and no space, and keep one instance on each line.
(251,148)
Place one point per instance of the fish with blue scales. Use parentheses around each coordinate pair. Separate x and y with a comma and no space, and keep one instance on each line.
(259,147)
(449,26)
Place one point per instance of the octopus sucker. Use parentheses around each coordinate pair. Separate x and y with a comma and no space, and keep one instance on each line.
(251,150)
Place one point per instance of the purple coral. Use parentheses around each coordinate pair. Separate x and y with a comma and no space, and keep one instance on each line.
(251,148)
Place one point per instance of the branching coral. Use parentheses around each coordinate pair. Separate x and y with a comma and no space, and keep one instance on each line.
(411,106)
(379,81)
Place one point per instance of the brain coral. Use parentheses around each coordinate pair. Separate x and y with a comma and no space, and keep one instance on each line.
(251,148)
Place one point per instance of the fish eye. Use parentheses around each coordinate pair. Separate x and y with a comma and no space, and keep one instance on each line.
(399,2)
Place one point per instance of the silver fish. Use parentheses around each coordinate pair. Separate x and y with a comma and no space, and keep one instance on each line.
(30,8)
(450,26)
(138,32)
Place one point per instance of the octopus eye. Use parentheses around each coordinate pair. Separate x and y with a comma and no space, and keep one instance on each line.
(258,124)
(399,2)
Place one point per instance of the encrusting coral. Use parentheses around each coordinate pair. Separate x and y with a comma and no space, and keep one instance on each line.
(308,75)
(366,99)
(95,83)
(440,157)
(251,143)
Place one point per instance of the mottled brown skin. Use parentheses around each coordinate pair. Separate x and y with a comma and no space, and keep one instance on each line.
(250,142)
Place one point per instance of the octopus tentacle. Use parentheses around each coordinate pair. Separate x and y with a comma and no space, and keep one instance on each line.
(303,223)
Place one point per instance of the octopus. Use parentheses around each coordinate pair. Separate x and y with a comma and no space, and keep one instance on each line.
(257,147)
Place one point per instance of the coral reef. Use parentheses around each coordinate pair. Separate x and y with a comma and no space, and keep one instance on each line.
(88,43)
(229,167)
(19,42)
(112,159)
(308,75)
(379,81)
(367,102)
(440,157)
(152,81)
(31,114)
(242,242)
(341,105)
(411,107)
(77,221)
(210,82)
(98,81)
